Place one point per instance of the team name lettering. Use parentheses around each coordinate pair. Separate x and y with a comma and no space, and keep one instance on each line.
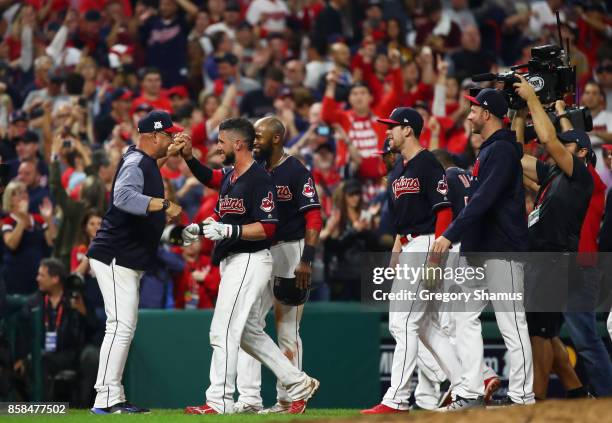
(228,205)
(405,185)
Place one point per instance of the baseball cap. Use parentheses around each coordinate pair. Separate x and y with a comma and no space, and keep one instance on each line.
(492,100)
(576,135)
(386,148)
(227,58)
(18,115)
(405,116)
(28,137)
(121,94)
(157,121)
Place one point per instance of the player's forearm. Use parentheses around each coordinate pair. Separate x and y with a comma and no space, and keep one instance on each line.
(541,123)
(207,176)
(256,231)
(397,245)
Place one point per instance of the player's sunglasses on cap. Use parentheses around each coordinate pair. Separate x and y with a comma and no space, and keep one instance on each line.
(492,100)
(158,121)
(405,116)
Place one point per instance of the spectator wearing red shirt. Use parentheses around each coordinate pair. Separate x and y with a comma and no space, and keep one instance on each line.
(151,94)
(197,286)
(359,123)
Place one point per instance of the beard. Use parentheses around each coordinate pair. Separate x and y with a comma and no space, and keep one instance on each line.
(229,159)
(262,154)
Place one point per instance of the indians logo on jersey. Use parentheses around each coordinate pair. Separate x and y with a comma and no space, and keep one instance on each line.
(228,205)
(442,186)
(267,204)
(405,185)
(283,193)
(309,190)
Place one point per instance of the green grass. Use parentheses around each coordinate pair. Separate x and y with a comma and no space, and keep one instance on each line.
(159,415)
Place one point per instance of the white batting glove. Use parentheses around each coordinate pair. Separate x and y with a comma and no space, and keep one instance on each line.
(191,234)
(216,231)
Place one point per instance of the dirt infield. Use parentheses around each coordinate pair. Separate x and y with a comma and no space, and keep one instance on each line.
(566,411)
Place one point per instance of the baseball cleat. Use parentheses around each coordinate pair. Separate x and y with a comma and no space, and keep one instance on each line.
(279,407)
(492,385)
(463,404)
(446,398)
(120,408)
(243,408)
(299,406)
(503,402)
(383,409)
(200,409)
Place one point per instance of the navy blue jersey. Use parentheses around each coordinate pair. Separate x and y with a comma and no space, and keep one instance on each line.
(459,184)
(295,194)
(249,198)
(417,189)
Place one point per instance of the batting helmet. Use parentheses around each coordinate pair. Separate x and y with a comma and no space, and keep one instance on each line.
(287,292)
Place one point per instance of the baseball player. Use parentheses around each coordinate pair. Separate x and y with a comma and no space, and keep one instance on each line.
(493,220)
(247,222)
(125,246)
(420,208)
(297,233)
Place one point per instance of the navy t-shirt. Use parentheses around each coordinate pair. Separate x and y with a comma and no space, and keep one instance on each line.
(247,199)
(417,189)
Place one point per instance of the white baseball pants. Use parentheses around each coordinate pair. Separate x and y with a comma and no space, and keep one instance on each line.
(411,321)
(237,323)
(119,286)
(502,276)
(285,256)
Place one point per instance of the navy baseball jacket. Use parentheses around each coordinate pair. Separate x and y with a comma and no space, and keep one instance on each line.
(494,219)
(129,233)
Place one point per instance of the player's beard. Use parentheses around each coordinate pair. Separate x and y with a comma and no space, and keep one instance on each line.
(229,159)
(262,153)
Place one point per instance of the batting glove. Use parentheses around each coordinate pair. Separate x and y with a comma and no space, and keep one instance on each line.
(191,234)
(216,231)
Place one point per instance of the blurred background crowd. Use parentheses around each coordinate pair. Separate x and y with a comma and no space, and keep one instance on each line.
(77,75)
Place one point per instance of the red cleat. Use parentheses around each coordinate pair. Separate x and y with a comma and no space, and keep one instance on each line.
(491,384)
(299,406)
(200,409)
(383,409)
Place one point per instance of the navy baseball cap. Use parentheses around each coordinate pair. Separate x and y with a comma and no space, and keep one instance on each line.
(576,135)
(121,94)
(158,121)
(18,115)
(405,116)
(386,148)
(492,100)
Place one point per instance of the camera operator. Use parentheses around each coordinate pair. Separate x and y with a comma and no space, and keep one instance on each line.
(565,190)
(65,323)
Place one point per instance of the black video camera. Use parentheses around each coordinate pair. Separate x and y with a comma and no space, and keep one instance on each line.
(546,73)
(74,284)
